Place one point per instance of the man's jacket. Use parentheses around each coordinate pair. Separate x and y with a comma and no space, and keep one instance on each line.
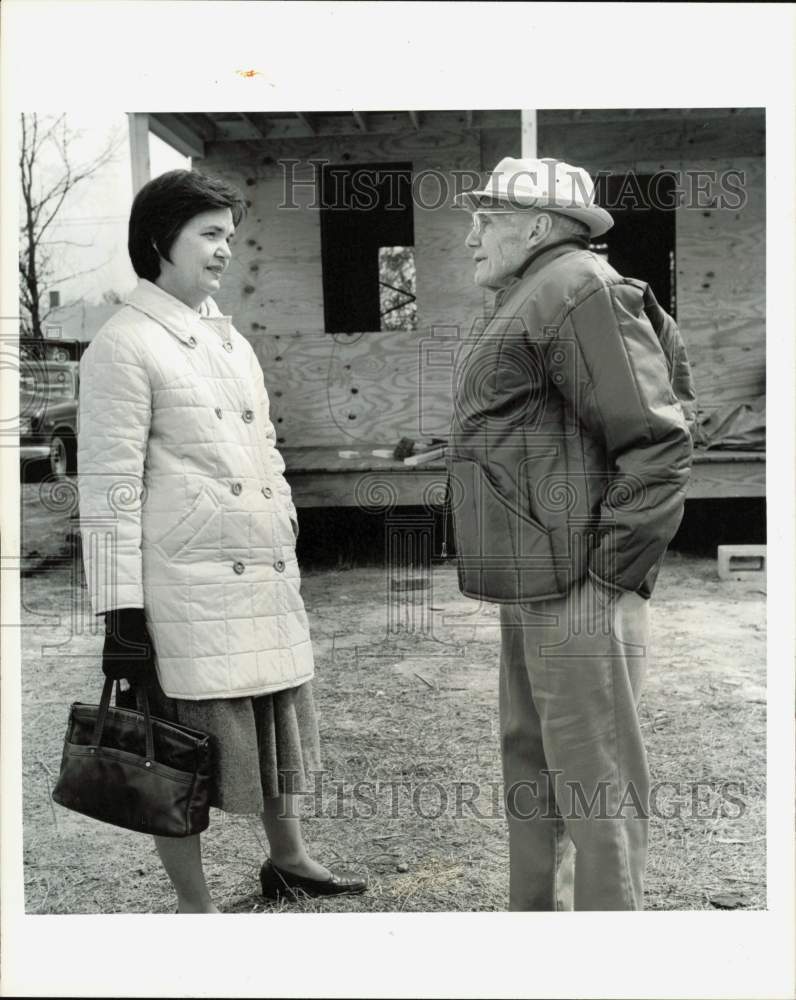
(570,447)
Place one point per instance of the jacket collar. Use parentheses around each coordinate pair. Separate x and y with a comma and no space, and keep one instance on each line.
(174,315)
(538,259)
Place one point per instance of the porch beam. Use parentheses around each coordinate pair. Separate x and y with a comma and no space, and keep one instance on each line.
(306,121)
(252,122)
(177,134)
(138,126)
(528,133)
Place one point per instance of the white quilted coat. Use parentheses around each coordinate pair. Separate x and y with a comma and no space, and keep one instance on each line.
(184,507)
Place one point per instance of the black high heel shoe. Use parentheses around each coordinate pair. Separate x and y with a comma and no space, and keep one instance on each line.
(278,884)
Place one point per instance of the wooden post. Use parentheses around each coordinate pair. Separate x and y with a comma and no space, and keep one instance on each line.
(528,130)
(139,148)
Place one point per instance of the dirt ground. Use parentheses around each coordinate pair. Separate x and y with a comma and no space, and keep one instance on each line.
(406,686)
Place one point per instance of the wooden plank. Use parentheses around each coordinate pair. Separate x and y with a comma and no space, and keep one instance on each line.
(138,125)
(178,134)
(447,297)
(201,123)
(318,477)
(328,459)
(445,150)
(529,133)
(257,126)
(717,455)
(366,489)
(229,128)
(236,129)
(719,480)
(344,489)
(733,122)
(346,389)
(720,257)
(671,142)
(306,121)
(606,116)
(497,143)
(274,283)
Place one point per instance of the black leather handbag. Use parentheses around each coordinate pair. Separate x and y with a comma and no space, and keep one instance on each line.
(125,767)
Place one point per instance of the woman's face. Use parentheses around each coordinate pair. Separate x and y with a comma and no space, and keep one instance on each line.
(199,256)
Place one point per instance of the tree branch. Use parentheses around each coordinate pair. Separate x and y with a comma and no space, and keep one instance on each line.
(41,204)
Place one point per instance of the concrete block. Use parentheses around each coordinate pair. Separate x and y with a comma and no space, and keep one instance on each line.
(741,562)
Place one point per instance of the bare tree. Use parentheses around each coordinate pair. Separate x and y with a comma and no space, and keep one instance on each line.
(43,195)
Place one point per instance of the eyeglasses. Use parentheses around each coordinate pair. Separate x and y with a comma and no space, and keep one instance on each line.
(477,217)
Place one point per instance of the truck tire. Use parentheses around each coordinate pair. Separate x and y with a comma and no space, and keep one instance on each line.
(63,455)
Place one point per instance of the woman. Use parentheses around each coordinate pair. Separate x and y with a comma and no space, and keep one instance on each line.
(189,531)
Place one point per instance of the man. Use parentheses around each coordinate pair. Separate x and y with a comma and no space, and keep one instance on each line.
(568,462)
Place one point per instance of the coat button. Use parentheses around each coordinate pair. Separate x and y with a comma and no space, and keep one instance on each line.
(237,489)
(248,416)
(267,492)
(219,412)
(279,566)
(227,346)
(238,567)
(192,341)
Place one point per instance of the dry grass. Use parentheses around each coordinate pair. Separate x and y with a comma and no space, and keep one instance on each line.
(421,710)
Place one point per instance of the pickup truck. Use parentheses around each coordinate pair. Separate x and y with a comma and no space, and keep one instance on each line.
(48,395)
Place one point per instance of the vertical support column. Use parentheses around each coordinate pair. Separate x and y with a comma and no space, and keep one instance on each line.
(138,123)
(528,131)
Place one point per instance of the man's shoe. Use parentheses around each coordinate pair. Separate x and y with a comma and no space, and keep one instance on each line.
(279,884)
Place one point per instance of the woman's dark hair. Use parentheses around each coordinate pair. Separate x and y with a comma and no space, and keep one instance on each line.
(163,206)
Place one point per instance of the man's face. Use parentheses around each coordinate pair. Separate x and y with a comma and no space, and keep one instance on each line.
(499,241)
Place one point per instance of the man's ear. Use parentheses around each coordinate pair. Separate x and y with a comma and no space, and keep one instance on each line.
(539,230)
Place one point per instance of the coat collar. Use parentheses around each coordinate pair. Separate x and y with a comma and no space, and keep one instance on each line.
(174,315)
(539,259)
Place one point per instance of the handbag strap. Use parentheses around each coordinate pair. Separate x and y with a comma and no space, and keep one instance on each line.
(143,702)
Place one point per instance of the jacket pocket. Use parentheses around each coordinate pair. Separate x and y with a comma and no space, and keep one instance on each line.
(183,535)
(503,552)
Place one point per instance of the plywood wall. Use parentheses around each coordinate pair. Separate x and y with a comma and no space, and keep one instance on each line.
(720,252)
(335,390)
(373,387)
(721,293)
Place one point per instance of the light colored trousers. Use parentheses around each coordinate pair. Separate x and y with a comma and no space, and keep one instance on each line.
(574,764)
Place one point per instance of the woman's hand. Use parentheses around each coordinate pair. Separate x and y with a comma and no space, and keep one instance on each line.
(128,651)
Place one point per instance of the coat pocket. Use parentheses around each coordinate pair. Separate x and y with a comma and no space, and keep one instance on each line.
(184,534)
(503,552)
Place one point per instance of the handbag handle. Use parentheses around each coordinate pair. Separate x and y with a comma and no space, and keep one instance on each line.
(143,703)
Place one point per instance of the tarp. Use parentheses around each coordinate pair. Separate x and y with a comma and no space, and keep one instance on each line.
(737,427)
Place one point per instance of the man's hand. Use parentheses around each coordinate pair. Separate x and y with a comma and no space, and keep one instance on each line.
(128,651)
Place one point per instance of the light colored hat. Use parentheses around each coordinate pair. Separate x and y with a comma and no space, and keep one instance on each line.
(543,183)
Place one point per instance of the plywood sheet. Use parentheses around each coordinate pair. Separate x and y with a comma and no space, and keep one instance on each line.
(663,143)
(274,289)
(721,293)
(351,388)
(276,280)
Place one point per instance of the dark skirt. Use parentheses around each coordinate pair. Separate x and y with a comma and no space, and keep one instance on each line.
(263,746)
